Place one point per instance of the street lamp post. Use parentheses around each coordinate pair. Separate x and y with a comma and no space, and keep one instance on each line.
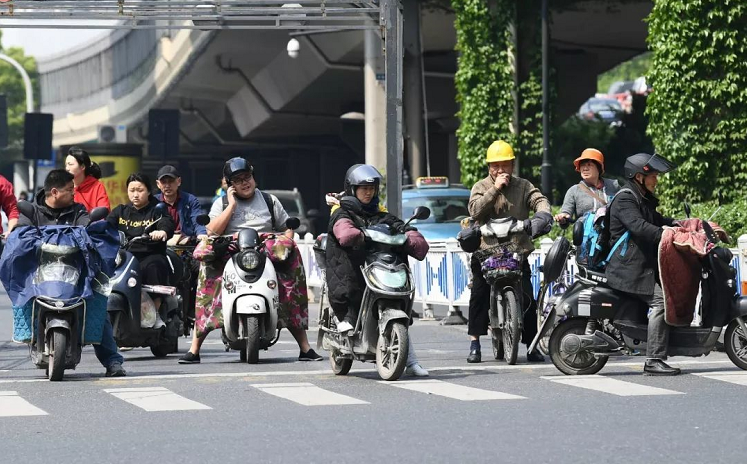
(546,166)
(21,171)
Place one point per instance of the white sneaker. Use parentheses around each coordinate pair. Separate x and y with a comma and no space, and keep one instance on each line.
(159,322)
(344,326)
(416,370)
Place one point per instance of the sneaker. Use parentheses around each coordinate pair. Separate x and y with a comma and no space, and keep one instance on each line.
(115,370)
(535,357)
(159,322)
(416,370)
(344,326)
(310,355)
(190,358)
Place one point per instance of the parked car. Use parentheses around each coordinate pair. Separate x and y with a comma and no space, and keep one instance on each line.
(448,205)
(605,109)
(294,206)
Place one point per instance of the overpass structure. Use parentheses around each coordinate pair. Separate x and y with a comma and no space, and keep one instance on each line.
(301,120)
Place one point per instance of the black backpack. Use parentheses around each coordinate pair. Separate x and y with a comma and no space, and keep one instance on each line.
(268,202)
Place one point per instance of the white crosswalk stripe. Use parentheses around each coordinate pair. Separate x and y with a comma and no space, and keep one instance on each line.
(738,377)
(155,399)
(611,386)
(12,405)
(452,390)
(307,394)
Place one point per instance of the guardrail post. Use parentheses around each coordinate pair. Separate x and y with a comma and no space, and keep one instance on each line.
(455,316)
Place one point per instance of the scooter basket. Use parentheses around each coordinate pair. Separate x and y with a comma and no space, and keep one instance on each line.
(501,263)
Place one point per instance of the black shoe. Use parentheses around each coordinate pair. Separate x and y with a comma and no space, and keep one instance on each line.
(115,370)
(310,355)
(475,356)
(659,367)
(190,358)
(535,357)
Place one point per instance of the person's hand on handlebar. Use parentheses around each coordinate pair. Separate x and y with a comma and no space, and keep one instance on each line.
(158,236)
(562,218)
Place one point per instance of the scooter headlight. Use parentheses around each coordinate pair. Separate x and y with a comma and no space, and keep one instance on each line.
(248,260)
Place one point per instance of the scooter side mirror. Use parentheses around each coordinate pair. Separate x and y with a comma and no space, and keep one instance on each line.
(122,238)
(421,213)
(27,209)
(203,219)
(293,223)
(98,214)
(162,208)
(688,210)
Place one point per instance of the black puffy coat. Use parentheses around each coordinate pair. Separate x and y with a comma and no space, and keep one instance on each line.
(344,279)
(638,270)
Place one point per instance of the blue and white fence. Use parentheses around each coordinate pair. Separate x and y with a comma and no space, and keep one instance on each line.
(442,278)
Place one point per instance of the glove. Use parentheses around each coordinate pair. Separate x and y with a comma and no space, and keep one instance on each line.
(540,224)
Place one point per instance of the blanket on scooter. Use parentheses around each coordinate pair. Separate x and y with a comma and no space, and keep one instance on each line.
(98,244)
(680,251)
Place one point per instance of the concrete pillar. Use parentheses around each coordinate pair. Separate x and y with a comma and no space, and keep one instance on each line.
(413,90)
(375,100)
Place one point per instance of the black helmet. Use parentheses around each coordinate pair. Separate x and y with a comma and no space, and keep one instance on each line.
(235,166)
(645,164)
(361,174)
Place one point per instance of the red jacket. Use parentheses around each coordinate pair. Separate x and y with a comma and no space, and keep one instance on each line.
(7,200)
(92,194)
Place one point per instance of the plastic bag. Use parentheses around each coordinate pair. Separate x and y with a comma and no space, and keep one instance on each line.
(147,311)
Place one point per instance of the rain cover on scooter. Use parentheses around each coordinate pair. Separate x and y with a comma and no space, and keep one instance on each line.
(98,244)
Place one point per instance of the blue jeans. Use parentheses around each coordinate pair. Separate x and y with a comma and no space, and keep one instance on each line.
(106,351)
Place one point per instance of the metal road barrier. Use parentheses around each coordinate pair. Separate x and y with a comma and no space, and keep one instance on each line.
(442,278)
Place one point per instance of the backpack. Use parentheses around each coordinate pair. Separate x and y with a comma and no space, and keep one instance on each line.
(592,236)
(268,202)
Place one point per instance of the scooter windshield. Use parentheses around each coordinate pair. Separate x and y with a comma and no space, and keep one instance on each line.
(381,237)
(58,263)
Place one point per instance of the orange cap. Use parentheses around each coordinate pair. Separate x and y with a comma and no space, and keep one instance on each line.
(590,154)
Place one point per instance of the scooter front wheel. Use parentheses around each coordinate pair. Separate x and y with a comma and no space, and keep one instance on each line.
(340,365)
(511,332)
(735,343)
(391,351)
(579,363)
(251,327)
(58,341)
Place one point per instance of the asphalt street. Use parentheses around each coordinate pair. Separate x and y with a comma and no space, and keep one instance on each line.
(283,410)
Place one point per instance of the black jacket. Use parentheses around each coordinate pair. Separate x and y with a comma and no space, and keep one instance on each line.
(73,215)
(133,221)
(344,279)
(638,270)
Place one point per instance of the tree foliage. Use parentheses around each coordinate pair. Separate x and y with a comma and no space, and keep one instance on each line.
(698,110)
(484,80)
(11,84)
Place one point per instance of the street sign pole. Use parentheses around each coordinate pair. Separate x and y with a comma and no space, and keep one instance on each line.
(392,10)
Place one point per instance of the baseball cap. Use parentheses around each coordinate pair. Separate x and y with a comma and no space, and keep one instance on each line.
(169,171)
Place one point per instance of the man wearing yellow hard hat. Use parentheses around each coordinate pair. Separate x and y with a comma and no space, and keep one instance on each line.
(502,195)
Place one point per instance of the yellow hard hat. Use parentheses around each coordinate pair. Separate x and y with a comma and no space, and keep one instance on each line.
(499,151)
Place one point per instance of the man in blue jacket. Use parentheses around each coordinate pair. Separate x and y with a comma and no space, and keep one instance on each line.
(183,207)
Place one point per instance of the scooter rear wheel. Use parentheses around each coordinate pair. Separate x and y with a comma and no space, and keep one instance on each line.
(582,363)
(735,343)
(58,342)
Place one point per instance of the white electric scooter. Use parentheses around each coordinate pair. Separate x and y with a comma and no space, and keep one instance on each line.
(250,296)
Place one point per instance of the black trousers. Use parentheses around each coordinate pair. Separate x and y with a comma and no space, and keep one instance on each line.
(479,303)
(154,269)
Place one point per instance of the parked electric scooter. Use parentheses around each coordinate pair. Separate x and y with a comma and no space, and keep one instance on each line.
(591,322)
(57,323)
(250,295)
(381,330)
(125,304)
